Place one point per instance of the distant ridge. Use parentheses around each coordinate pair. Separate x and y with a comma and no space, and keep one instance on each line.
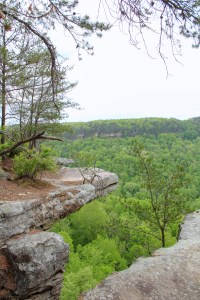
(188,129)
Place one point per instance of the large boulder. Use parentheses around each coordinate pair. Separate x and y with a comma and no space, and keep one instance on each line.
(37,262)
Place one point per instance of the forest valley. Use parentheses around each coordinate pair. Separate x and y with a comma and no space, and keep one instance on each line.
(158,164)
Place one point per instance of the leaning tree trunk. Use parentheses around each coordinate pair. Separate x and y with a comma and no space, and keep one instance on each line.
(3,85)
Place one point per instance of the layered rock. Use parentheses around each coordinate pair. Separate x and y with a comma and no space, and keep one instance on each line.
(171,273)
(32,262)
(35,259)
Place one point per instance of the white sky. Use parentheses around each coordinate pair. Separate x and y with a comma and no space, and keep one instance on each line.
(120,81)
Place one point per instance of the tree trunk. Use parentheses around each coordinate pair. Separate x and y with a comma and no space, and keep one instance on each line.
(3,86)
(163,236)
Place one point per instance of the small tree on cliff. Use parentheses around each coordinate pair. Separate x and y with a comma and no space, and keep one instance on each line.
(32,108)
(166,203)
(36,19)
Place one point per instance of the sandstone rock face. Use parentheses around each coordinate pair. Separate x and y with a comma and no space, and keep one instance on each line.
(19,216)
(64,161)
(72,191)
(171,273)
(103,181)
(32,262)
(34,259)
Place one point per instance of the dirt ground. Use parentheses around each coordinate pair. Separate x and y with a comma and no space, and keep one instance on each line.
(24,189)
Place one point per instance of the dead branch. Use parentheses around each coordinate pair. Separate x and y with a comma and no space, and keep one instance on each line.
(32,138)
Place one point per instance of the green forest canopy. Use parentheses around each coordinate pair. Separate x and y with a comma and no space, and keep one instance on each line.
(110,233)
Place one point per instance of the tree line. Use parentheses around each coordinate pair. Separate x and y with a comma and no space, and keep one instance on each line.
(188,129)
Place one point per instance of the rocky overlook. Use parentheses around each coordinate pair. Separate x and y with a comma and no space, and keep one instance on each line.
(171,273)
(31,260)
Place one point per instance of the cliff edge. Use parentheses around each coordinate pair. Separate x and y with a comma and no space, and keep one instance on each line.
(31,260)
(170,273)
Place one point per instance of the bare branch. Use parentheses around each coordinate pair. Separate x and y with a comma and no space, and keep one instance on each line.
(176,17)
(22,142)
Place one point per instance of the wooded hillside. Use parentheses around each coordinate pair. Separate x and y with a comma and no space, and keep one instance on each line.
(188,129)
(158,164)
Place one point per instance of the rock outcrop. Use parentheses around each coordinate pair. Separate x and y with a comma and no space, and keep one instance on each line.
(32,261)
(171,273)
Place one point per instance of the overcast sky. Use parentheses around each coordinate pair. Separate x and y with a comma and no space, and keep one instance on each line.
(120,81)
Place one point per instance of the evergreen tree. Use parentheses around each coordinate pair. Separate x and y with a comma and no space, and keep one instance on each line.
(41,17)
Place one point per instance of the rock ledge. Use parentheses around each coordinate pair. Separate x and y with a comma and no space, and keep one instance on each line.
(171,273)
(31,261)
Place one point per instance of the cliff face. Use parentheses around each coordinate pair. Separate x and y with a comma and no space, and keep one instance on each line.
(171,273)
(31,260)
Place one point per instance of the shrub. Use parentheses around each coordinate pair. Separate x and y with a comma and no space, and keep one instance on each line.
(30,163)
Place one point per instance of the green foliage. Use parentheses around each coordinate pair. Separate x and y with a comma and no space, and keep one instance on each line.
(169,129)
(5,146)
(30,163)
(46,19)
(110,233)
(90,264)
(9,144)
(84,159)
(75,283)
(84,229)
(166,203)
